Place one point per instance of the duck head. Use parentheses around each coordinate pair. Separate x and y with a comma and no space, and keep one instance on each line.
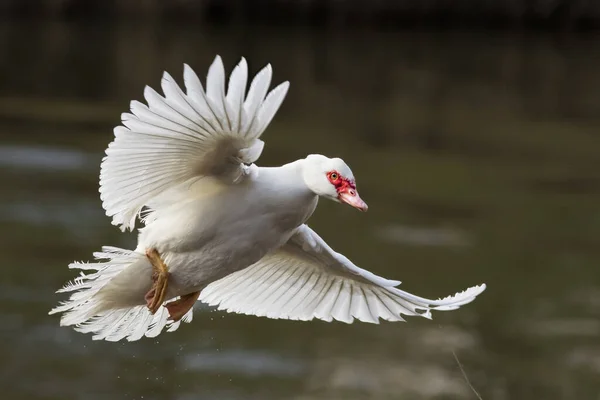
(332,178)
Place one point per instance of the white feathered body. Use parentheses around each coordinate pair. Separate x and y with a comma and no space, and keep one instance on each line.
(216,230)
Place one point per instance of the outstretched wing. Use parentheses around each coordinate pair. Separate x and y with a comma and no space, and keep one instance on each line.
(183,136)
(307,279)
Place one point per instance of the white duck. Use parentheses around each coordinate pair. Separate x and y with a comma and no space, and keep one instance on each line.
(218,228)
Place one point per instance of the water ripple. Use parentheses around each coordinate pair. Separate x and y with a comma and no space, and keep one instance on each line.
(243,362)
(44,158)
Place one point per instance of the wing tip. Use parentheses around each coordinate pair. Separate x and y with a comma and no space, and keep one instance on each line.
(187,69)
(283,87)
(167,77)
(217,63)
(243,63)
(460,298)
(149,93)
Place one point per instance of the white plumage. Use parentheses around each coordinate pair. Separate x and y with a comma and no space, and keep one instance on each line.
(224,227)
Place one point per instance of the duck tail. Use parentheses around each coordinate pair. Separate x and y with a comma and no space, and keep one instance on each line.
(108,300)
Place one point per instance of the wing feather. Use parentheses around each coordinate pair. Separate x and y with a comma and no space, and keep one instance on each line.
(197,98)
(256,94)
(183,136)
(306,279)
(269,107)
(215,93)
(235,94)
(177,100)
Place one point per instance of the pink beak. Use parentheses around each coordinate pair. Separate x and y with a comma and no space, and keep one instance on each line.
(351,197)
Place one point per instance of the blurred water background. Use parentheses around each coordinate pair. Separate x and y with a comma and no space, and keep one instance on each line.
(476,150)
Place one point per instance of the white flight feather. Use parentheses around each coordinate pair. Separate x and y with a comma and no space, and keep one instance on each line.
(235,94)
(306,279)
(182,136)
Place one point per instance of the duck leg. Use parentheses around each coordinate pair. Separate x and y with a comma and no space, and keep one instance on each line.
(160,276)
(180,307)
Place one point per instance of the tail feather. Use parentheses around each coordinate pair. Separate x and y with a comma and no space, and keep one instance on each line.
(90,312)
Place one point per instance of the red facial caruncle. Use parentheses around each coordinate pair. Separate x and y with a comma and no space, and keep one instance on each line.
(346,189)
(341,184)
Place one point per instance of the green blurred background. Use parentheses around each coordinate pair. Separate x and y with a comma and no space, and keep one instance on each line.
(477,151)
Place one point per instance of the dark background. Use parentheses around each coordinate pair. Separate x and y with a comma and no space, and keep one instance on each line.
(472,128)
(393,14)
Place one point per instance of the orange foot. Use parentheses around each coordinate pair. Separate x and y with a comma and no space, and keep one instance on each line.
(180,307)
(160,276)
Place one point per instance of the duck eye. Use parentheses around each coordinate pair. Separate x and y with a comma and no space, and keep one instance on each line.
(333,176)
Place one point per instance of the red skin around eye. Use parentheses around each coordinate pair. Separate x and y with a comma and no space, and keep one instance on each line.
(341,184)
